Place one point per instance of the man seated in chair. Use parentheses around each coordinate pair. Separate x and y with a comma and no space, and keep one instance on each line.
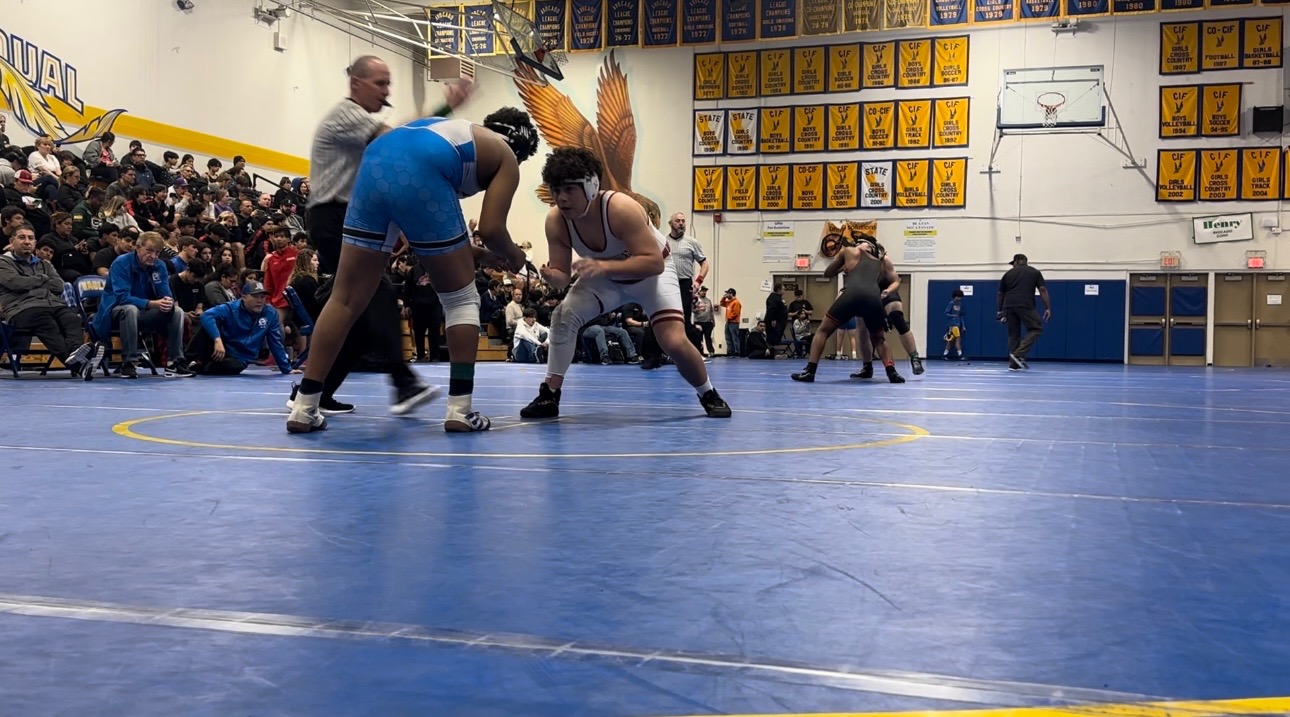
(31,300)
(137,297)
(232,333)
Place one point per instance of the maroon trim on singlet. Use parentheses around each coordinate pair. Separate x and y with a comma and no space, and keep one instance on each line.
(666,315)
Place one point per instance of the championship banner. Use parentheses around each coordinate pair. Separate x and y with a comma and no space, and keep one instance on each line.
(741,188)
(775,130)
(1218,175)
(1087,8)
(699,22)
(879,124)
(1040,9)
(661,19)
(709,76)
(906,14)
(1220,110)
(738,20)
(550,23)
(1179,111)
(708,188)
(863,15)
(1260,174)
(912,180)
(1132,7)
(778,19)
(844,128)
(950,61)
(808,70)
(915,66)
(709,132)
(741,131)
(877,185)
(950,122)
(741,75)
(915,124)
(821,17)
(949,183)
(586,25)
(625,22)
(480,17)
(844,68)
(1220,45)
(947,13)
(1176,175)
(775,67)
(772,187)
(1261,43)
(878,62)
(1172,5)
(843,187)
(449,40)
(808,186)
(1179,48)
(985,12)
(808,128)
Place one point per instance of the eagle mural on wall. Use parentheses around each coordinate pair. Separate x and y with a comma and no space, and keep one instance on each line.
(612,139)
(31,109)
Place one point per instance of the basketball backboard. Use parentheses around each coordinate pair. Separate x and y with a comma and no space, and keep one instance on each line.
(1047,98)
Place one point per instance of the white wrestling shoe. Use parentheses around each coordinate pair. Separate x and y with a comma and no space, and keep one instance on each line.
(459,421)
(305,416)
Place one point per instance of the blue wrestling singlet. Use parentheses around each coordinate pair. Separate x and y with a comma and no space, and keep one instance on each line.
(411,180)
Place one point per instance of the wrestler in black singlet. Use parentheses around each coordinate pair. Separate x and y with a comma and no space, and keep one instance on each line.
(862,297)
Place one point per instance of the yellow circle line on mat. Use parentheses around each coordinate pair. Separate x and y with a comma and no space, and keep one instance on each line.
(126,429)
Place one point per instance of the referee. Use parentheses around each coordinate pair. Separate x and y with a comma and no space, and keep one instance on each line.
(338,146)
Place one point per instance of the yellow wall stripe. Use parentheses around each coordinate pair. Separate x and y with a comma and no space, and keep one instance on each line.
(183,140)
(1212,708)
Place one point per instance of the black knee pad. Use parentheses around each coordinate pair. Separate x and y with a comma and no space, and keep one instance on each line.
(897,321)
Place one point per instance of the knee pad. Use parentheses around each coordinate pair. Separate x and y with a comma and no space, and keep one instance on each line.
(897,321)
(461,307)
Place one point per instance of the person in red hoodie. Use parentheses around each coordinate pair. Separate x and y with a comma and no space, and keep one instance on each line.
(277,267)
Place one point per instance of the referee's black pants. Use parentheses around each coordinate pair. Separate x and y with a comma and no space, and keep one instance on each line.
(377,329)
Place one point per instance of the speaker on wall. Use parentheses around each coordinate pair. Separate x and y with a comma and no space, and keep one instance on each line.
(1269,119)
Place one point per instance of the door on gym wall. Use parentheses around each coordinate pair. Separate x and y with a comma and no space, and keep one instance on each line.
(1233,319)
(1168,314)
(1271,320)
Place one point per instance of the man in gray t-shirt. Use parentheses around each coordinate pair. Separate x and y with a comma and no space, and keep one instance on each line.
(686,254)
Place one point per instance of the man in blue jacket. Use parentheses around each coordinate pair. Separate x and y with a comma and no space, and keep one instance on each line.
(137,297)
(232,334)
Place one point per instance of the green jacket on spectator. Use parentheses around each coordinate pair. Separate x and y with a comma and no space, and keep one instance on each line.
(85,222)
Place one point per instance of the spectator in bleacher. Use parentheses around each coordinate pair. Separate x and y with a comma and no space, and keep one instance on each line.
(6,167)
(530,342)
(42,161)
(139,205)
(121,187)
(23,194)
(214,168)
(220,289)
(161,205)
(189,291)
(10,219)
(71,255)
(4,138)
(168,172)
(115,211)
(204,252)
(233,333)
(138,161)
(69,193)
(187,250)
(138,297)
(278,265)
(114,245)
(87,215)
(304,279)
(99,159)
(31,299)
(605,325)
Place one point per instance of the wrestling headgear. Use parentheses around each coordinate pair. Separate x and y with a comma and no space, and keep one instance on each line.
(521,137)
(590,187)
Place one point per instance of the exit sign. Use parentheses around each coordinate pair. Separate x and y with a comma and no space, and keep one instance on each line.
(802,262)
(1254,262)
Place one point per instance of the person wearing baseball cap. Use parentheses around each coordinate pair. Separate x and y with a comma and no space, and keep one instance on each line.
(1016,308)
(232,333)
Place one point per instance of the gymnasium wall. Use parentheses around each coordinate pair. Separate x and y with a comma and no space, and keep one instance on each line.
(1066,200)
(206,81)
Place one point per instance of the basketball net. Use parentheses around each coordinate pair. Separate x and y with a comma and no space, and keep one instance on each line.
(1055,102)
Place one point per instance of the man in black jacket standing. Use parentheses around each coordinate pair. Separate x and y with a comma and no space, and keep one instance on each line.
(1016,307)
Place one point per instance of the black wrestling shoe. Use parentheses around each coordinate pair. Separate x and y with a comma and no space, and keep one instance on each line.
(916,361)
(714,404)
(546,405)
(893,376)
(866,371)
(805,376)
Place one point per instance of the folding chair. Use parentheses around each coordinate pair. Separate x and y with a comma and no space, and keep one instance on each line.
(90,289)
(305,322)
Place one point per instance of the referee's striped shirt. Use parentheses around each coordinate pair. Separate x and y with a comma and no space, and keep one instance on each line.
(338,146)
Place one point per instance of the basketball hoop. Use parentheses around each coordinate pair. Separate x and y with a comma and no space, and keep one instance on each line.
(533,60)
(1050,102)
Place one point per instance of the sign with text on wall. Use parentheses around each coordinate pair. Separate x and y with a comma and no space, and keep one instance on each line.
(1222,228)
